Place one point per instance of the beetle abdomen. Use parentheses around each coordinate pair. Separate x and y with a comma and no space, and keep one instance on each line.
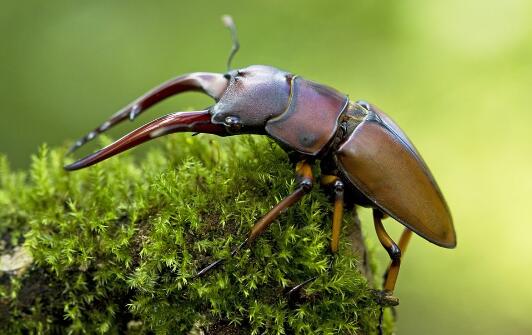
(311,119)
(380,161)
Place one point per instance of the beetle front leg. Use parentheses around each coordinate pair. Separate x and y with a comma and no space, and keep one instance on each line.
(305,182)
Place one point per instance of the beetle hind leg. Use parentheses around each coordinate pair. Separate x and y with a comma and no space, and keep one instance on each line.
(305,180)
(403,244)
(385,297)
(394,252)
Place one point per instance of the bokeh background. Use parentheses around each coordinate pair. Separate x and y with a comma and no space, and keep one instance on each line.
(456,75)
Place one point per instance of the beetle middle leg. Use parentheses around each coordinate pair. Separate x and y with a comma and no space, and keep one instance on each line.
(338,212)
(305,183)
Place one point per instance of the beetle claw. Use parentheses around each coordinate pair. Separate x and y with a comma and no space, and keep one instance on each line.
(385,298)
(209,267)
(296,289)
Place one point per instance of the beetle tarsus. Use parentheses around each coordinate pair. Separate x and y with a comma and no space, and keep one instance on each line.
(219,262)
(381,319)
(299,286)
(385,298)
(292,292)
(242,245)
(209,267)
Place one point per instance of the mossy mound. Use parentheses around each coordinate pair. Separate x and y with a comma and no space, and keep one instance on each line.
(116,246)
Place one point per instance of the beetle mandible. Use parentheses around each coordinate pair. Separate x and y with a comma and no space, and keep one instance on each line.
(364,156)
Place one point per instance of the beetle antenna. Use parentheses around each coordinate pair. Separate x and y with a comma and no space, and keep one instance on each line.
(229,23)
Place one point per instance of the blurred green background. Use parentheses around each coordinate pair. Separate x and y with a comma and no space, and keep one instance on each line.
(456,75)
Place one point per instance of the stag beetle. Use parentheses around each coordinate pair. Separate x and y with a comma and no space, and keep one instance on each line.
(362,151)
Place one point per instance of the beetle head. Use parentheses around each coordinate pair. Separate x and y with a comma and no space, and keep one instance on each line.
(253,96)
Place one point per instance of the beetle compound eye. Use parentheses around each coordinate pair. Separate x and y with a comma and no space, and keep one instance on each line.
(233,123)
(238,75)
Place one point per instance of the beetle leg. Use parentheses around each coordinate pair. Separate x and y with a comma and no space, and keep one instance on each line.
(403,244)
(390,277)
(338,213)
(393,250)
(305,180)
(403,241)
(386,299)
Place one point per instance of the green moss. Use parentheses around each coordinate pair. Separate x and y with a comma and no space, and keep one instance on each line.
(116,246)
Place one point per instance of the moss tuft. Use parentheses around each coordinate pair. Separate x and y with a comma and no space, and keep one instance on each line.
(116,246)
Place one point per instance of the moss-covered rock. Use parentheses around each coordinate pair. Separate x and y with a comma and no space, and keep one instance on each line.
(116,247)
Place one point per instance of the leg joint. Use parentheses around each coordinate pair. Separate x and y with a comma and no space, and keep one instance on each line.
(394,252)
(338,185)
(306,184)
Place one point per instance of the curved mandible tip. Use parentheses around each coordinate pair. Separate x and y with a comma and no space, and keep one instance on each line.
(199,122)
(212,84)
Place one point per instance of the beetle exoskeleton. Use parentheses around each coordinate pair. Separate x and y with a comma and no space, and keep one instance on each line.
(365,156)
